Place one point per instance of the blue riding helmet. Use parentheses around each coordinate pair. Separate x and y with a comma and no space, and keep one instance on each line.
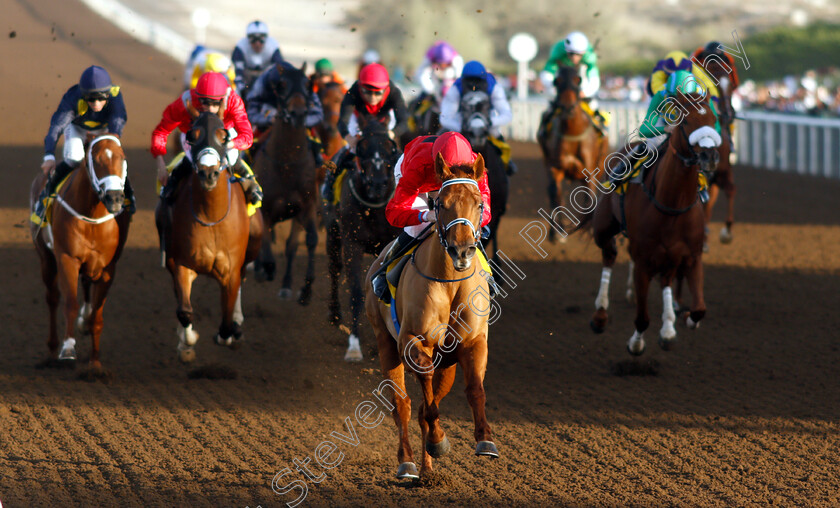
(474,69)
(95,79)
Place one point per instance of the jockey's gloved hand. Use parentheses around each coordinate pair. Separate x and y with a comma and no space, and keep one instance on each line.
(428,216)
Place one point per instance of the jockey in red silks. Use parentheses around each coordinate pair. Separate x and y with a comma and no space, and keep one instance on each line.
(416,180)
(212,93)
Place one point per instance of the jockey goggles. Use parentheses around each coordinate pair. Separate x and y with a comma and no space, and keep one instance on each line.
(257,38)
(96,96)
(206,101)
(373,92)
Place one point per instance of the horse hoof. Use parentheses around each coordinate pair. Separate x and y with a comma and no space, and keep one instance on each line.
(408,471)
(354,350)
(437,450)
(596,327)
(68,350)
(220,341)
(487,449)
(285,294)
(705,248)
(691,324)
(725,236)
(667,344)
(186,355)
(305,296)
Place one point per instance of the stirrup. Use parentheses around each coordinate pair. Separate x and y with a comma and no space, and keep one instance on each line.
(380,287)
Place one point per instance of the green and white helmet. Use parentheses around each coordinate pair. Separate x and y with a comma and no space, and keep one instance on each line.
(683,81)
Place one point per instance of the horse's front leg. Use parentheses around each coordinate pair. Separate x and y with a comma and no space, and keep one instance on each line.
(83,322)
(555,188)
(230,331)
(68,284)
(419,359)
(49,274)
(668,334)
(311,244)
(729,189)
(97,292)
(604,230)
(265,267)
(473,360)
(291,249)
(354,256)
(695,285)
(183,278)
(335,266)
(636,344)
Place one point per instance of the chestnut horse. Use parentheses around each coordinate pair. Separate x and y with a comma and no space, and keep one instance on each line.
(285,166)
(359,225)
(439,289)
(664,224)
(572,143)
(207,231)
(85,237)
(331,96)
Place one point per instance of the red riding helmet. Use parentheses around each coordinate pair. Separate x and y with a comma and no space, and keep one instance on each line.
(211,85)
(374,76)
(455,148)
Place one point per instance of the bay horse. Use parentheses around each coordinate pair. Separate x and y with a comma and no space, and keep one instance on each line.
(286,169)
(207,231)
(330,95)
(572,143)
(424,117)
(437,291)
(475,110)
(722,178)
(85,238)
(359,225)
(664,224)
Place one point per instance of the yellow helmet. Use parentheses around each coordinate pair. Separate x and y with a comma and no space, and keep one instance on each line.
(216,62)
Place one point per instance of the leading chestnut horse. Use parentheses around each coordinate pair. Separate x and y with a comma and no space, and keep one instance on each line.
(207,231)
(85,238)
(438,292)
(572,143)
(664,224)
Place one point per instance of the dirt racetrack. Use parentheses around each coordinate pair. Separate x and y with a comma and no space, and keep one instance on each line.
(745,410)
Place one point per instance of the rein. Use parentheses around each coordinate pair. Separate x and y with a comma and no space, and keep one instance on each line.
(366,203)
(100,186)
(192,205)
(650,192)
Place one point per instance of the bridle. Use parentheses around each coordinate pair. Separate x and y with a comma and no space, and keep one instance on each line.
(379,164)
(298,87)
(110,182)
(460,220)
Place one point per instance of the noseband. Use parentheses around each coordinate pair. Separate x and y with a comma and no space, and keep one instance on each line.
(460,220)
(110,182)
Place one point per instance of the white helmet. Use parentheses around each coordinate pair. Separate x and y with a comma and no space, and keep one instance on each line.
(256,28)
(371,56)
(576,43)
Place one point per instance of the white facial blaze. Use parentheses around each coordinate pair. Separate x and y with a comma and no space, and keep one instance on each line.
(108,153)
(705,137)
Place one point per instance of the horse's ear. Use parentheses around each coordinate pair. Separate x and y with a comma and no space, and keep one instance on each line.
(442,168)
(191,110)
(221,136)
(303,67)
(478,167)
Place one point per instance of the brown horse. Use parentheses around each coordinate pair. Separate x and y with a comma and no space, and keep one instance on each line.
(286,169)
(207,231)
(359,225)
(439,289)
(331,96)
(86,237)
(722,177)
(572,143)
(664,224)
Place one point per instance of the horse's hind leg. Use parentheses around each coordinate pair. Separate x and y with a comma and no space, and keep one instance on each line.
(636,344)
(183,278)
(97,292)
(335,266)
(311,244)
(473,362)
(604,228)
(83,322)
(729,189)
(264,266)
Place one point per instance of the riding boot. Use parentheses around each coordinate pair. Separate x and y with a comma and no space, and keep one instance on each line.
(511,168)
(129,197)
(379,282)
(340,159)
(253,191)
(167,194)
(59,173)
(318,151)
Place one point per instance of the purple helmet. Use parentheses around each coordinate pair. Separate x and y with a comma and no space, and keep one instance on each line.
(441,52)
